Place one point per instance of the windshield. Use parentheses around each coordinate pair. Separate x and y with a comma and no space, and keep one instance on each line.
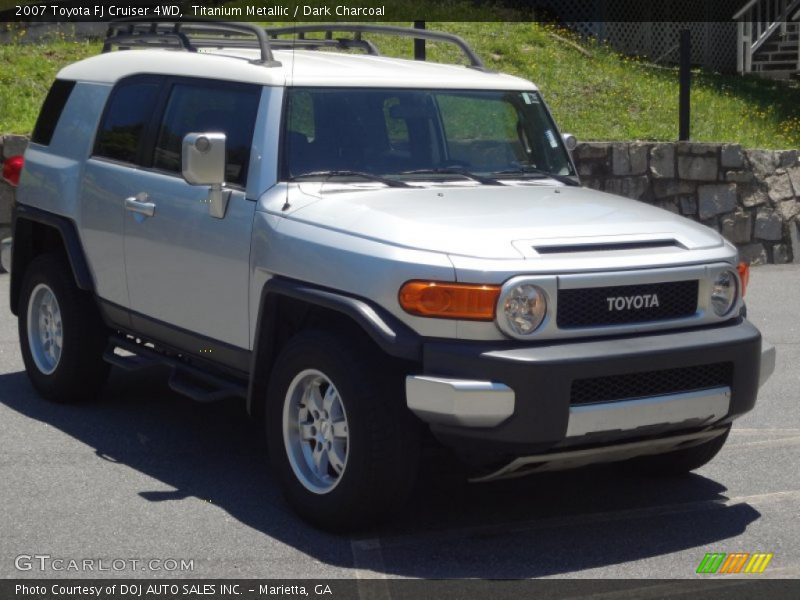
(409,135)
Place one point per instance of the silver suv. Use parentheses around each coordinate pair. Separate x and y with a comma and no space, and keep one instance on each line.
(376,254)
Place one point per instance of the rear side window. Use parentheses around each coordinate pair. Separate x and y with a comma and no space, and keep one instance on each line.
(51,111)
(128,112)
(197,107)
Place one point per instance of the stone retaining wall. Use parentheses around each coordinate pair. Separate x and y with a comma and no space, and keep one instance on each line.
(751,196)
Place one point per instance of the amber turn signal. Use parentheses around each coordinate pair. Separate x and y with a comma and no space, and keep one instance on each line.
(744,275)
(450,300)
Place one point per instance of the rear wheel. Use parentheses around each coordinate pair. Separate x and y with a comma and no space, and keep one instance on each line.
(61,334)
(342,443)
(679,462)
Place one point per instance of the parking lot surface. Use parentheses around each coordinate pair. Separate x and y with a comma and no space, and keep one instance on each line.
(147,475)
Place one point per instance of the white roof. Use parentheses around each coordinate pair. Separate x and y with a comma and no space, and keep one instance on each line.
(300,67)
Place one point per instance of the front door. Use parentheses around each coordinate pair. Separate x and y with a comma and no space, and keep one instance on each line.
(186,269)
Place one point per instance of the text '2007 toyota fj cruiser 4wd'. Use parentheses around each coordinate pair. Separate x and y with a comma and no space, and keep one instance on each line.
(363,248)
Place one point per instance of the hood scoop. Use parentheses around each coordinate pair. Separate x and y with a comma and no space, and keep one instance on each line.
(607,246)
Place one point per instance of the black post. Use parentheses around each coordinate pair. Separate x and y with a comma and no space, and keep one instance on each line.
(419,45)
(684,104)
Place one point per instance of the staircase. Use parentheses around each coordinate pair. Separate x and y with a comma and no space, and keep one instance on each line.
(769,38)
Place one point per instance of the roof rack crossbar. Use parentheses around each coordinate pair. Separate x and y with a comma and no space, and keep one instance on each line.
(126,33)
(358,29)
(167,40)
(312,44)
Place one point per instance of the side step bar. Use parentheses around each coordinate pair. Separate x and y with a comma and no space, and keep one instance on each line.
(202,387)
(185,379)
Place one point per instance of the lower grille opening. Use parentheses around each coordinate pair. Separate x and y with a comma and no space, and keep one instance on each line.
(651,383)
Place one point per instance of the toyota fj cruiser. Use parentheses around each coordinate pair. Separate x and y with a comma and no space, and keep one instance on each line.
(369,251)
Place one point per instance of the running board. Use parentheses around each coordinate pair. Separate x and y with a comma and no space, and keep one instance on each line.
(202,387)
(572,459)
(186,379)
(132,362)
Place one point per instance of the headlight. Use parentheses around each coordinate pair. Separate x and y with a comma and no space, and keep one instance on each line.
(724,292)
(523,308)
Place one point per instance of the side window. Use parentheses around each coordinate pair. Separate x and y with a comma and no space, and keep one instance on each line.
(51,111)
(129,109)
(194,107)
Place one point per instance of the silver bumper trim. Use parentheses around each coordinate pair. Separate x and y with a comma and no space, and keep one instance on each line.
(571,459)
(767,363)
(459,402)
(704,406)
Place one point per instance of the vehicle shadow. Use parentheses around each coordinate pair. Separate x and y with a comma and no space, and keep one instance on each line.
(544,525)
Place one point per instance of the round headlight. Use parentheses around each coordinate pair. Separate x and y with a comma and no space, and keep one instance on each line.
(523,307)
(724,291)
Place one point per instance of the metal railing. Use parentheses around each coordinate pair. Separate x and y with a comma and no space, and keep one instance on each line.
(187,35)
(193,35)
(760,21)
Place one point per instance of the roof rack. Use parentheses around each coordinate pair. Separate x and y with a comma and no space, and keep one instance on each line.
(357,29)
(314,44)
(125,34)
(188,35)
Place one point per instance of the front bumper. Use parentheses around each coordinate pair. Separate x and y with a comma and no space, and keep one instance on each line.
(495,399)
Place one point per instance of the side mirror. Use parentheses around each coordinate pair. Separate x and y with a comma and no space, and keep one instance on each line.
(570,141)
(203,163)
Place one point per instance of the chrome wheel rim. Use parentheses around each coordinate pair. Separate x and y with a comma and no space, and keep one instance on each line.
(315,431)
(45,329)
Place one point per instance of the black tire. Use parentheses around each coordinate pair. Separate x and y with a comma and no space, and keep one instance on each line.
(679,462)
(80,372)
(383,446)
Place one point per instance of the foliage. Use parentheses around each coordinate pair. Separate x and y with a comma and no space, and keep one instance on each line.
(593,92)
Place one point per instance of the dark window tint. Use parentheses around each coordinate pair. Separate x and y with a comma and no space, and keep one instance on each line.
(196,108)
(51,111)
(392,131)
(125,120)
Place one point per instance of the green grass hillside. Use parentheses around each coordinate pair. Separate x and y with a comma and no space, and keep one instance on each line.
(599,96)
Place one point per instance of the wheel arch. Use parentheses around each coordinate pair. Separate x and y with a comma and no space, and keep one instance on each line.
(288,306)
(35,232)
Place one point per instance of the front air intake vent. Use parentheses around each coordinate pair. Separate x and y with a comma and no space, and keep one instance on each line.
(606,247)
(629,386)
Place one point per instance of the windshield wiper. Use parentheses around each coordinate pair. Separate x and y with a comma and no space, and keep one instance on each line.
(369,176)
(454,171)
(536,173)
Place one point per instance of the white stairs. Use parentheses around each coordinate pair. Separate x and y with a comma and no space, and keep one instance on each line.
(769,38)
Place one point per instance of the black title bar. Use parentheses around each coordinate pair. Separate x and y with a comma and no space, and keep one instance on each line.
(372,10)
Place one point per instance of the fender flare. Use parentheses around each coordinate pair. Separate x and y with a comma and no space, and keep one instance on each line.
(22,250)
(390,334)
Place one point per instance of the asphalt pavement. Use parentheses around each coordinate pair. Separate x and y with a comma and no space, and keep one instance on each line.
(147,475)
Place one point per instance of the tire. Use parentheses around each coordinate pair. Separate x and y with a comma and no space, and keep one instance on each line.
(369,439)
(53,308)
(678,462)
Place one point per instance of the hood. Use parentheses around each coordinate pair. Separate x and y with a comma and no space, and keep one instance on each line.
(494,222)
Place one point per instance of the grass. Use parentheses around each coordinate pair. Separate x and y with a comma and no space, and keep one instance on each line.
(26,72)
(604,96)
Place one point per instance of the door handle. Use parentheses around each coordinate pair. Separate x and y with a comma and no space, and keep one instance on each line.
(138,204)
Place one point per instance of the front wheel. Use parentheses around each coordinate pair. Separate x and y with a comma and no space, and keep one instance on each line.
(342,443)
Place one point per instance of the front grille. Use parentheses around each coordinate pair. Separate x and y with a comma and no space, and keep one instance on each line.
(589,307)
(651,383)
